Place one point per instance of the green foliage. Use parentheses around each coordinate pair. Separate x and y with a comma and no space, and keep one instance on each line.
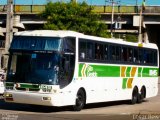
(127,37)
(74,16)
(131,38)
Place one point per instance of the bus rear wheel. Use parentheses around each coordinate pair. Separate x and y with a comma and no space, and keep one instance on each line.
(134,96)
(80,100)
(142,95)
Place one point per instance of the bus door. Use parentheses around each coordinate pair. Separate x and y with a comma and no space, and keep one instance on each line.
(66,69)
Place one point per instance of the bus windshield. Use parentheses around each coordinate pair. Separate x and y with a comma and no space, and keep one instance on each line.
(39,68)
(41,60)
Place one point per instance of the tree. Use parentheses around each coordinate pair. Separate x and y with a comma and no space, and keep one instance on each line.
(127,37)
(74,16)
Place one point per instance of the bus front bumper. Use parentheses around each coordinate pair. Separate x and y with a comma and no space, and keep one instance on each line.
(33,98)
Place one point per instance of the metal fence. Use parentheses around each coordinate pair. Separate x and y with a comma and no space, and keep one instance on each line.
(98,9)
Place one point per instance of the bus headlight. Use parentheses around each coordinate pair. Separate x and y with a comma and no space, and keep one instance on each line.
(8,95)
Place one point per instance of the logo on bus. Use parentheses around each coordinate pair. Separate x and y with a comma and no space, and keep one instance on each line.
(153,72)
(91,72)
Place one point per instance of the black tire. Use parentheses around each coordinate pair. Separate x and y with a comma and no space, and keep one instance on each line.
(142,95)
(139,100)
(134,96)
(80,101)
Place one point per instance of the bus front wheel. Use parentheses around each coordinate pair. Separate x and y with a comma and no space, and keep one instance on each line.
(80,100)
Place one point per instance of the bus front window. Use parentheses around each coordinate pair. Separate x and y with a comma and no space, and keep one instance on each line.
(38,68)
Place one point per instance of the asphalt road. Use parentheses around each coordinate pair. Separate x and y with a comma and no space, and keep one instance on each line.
(122,110)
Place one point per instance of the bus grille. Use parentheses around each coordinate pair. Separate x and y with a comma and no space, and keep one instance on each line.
(27,89)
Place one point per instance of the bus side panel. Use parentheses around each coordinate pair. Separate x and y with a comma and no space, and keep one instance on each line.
(102,89)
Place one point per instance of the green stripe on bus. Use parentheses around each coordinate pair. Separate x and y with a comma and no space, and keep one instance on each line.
(139,71)
(128,71)
(98,71)
(80,69)
(124,84)
(150,72)
(90,70)
(110,71)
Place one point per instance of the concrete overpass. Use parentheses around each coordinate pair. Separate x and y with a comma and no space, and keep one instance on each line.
(127,16)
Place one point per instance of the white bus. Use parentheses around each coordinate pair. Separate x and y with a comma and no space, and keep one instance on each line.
(63,68)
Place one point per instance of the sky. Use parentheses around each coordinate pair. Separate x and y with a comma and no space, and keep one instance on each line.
(91,2)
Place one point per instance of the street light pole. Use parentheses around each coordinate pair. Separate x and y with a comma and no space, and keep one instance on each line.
(140,27)
(112,18)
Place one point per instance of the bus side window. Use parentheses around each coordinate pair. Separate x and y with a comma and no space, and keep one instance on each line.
(150,57)
(82,50)
(99,51)
(89,51)
(130,50)
(106,52)
(124,54)
(135,56)
(140,55)
(145,56)
(155,57)
(112,50)
(118,55)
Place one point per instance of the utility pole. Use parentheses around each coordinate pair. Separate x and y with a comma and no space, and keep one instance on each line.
(136,6)
(9,29)
(112,16)
(140,27)
(141,22)
(9,25)
(136,3)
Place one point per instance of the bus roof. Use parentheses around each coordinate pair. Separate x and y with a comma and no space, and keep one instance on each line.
(49,33)
(67,33)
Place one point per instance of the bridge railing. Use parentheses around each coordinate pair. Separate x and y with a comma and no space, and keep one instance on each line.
(98,9)
(152,9)
(24,8)
(117,9)
(126,9)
